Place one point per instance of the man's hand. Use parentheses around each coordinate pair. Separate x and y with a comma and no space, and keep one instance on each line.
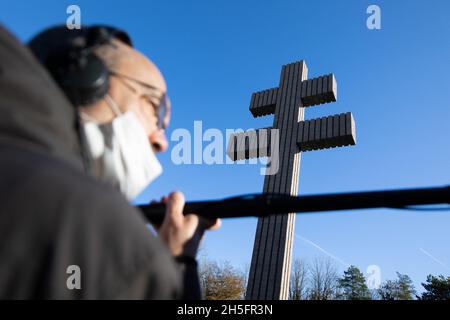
(182,233)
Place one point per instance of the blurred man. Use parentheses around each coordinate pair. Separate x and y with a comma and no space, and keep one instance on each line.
(56,216)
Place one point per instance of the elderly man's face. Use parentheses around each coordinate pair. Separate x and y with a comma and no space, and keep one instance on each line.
(132,69)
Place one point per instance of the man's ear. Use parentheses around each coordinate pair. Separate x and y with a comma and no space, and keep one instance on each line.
(98,111)
(84,115)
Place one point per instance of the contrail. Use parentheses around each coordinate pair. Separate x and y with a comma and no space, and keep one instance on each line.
(345,264)
(434,258)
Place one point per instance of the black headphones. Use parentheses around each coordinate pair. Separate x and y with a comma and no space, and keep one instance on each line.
(68,56)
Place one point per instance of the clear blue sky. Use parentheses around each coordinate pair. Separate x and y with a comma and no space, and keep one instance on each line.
(396,82)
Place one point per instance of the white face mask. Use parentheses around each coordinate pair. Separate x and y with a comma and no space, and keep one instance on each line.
(121,152)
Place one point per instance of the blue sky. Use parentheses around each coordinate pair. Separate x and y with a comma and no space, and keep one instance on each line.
(395,81)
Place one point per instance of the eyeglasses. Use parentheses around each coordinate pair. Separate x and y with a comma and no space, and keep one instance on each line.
(162,108)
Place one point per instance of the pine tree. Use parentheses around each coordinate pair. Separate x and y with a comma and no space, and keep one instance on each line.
(437,288)
(400,289)
(353,285)
(406,289)
(388,290)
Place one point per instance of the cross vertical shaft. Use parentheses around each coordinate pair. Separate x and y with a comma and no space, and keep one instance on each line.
(270,266)
(272,251)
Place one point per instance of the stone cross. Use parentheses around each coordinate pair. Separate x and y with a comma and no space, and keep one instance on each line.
(271,261)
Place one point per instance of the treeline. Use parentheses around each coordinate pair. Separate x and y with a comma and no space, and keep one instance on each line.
(320,280)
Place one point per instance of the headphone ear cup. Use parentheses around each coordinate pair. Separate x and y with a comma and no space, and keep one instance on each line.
(68,56)
(85,78)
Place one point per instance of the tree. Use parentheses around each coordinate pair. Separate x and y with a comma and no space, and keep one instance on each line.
(406,290)
(388,290)
(221,282)
(299,277)
(353,285)
(323,282)
(400,289)
(437,288)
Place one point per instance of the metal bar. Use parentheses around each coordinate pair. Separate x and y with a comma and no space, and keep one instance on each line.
(262,205)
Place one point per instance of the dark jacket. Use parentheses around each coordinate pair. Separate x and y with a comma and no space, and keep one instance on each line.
(53,215)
